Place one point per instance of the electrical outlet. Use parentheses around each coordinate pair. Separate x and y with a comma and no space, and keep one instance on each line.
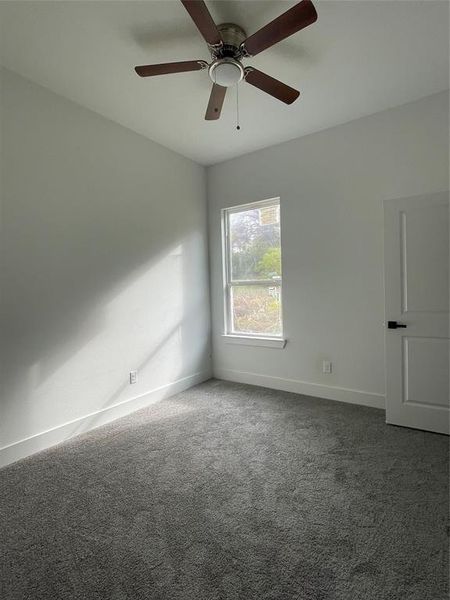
(133,376)
(326,367)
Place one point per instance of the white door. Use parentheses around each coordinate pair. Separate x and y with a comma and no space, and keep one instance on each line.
(416,263)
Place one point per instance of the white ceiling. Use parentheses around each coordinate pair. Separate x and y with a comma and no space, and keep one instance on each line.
(362,56)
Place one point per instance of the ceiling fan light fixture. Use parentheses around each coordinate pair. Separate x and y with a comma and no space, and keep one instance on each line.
(226,72)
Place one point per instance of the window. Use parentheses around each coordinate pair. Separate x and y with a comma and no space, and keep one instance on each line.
(252,269)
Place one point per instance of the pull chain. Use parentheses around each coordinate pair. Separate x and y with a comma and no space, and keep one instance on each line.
(237,107)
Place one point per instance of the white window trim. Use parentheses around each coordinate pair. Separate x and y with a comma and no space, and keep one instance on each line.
(248,339)
(254,340)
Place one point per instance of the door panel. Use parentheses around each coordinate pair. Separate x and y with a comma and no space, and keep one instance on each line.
(425,371)
(425,244)
(417,295)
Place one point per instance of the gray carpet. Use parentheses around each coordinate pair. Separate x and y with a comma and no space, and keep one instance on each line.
(230,492)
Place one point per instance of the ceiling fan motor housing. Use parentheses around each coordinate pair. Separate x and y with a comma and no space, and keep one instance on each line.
(232,36)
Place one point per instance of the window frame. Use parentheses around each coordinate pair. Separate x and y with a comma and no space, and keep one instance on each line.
(259,339)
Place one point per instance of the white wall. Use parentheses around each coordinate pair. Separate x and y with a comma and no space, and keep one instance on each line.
(104,269)
(331,185)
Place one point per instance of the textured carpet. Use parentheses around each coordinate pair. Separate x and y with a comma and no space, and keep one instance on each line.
(228,492)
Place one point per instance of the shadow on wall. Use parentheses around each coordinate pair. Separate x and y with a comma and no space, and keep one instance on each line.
(152,326)
(104,264)
(173,339)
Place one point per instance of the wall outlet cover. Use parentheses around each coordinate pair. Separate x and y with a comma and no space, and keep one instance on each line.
(326,367)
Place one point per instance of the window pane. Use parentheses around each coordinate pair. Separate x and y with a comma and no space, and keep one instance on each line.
(256,309)
(255,243)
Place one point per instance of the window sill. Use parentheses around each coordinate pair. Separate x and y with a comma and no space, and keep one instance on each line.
(248,340)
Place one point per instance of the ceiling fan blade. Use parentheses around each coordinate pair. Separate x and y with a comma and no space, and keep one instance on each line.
(298,17)
(174,67)
(215,102)
(199,13)
(271,86)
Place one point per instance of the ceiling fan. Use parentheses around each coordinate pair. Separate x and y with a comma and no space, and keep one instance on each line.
(229,45)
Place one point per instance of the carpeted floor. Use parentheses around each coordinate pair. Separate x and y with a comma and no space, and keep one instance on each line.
(230,492)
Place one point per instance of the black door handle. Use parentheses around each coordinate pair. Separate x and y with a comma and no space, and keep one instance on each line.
(395,325)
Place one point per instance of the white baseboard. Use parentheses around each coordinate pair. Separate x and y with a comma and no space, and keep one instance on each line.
(303,387)
(56,435)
